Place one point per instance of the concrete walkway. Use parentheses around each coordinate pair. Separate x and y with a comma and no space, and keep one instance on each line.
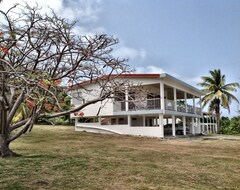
(222,137)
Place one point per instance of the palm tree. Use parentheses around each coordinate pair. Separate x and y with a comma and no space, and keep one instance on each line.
(218,92)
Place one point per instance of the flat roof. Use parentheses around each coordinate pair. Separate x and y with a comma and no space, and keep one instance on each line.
(133,75)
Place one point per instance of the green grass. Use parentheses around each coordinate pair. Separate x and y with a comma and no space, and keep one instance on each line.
(57,157)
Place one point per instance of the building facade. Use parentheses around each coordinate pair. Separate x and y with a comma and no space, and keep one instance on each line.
(166,106)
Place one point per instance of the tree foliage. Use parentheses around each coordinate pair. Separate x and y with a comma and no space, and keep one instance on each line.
(230,126)
(39,56)
(218,93)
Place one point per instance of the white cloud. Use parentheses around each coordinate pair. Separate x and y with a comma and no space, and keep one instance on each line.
(130,53)
(89,31)
(149,69)
(84,11)
(55,4)
(193,80)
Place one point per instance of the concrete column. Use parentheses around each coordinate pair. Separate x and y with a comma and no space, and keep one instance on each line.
(144,118)
(173,126)
(184,125)
(175,98)
(207,124)
(161,127)
(193,124)
(199,125)
(126,98)
(201,105)
(162,95)
(129,120)
(194,106)
(185,98)
(99,120)
(210,121)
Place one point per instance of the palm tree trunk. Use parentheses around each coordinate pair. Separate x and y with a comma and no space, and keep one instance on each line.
(217,110)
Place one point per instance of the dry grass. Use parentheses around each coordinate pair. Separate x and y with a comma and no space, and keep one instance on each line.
(60,158)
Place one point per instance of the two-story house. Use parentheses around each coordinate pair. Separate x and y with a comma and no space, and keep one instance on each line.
(169,104)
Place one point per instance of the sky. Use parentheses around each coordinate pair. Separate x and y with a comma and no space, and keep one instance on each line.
(184,38)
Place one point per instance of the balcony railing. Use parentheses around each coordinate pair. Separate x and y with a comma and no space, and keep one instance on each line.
(169,104)
(153,104)
(147,104)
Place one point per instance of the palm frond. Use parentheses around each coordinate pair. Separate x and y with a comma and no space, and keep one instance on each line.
(218,92)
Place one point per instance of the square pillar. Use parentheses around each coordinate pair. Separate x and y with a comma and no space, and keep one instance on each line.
(185,98)
(161,127)
(208,124)
(173,126)
(129,121)
(175,98)
(126,98)
(162,103)
(184,125)
(193,126)
(144,121)
(199,125)
(194,106)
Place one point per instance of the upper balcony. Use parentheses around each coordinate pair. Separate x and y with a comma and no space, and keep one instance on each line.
(155,104)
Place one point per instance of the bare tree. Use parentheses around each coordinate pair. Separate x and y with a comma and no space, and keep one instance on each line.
(38,54)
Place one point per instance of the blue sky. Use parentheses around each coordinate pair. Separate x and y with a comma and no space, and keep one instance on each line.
(185,38)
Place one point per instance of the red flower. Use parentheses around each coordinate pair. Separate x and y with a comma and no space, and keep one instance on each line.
(4,49)
(1,33)
(48,107)
(57,82)
(30,104)
(81,113)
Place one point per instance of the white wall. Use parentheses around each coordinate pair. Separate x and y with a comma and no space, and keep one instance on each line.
(119,129)
(91,92)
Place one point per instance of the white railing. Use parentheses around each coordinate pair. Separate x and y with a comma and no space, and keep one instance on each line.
(190,109)
(181,107)
(147,104)
(169,104)
(198,110)
(153,104)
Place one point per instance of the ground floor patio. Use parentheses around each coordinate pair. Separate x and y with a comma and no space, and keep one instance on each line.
(153,125)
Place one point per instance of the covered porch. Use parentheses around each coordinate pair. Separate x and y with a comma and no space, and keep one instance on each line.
(157,97)
(154,125)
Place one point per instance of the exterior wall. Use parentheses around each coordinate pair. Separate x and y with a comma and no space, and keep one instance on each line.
(89,93)
(119,129)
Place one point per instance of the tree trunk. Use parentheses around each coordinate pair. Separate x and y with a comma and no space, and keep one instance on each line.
(5,151)
(218,115)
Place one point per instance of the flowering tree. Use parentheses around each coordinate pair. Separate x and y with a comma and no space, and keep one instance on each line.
(39,55)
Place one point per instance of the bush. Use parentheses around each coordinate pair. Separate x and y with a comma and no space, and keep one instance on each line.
(230,126)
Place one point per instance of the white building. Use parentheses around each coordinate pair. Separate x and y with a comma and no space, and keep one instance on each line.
(167,102)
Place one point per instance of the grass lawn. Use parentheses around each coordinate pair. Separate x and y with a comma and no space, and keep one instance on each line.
(59,158)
